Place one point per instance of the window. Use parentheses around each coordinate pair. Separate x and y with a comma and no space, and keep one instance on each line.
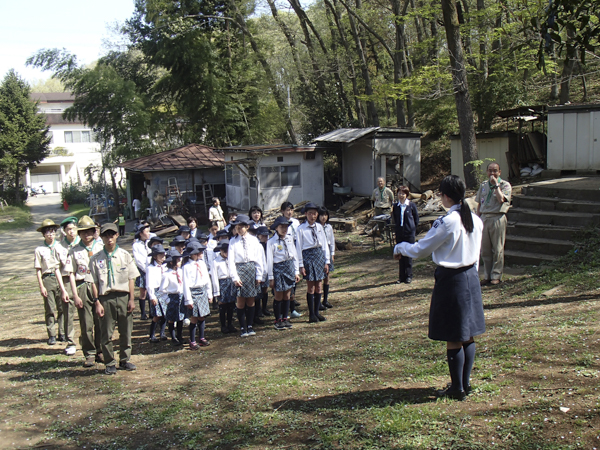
(76,137)
(51,136)
(278,176)
(232,175)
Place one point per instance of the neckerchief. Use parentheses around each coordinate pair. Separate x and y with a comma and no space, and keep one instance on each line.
(489,196)
(287,254)
(91,249)
(51,247)
(177,275)
(111,272)
(381,191)
(313,228)
(75,242)
(198,268)
(245,248)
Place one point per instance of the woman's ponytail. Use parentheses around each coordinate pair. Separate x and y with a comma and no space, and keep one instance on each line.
(454,188)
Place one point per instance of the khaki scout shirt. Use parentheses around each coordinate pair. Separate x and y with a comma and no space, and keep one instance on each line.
(80,258)
(383,200)
(63,256)
(45,258)
(124,269)
(488,203)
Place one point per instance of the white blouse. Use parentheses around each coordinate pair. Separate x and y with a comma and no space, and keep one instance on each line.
(305,236)
(171,283)
(246,249)
(153,278)
(448,242)
(195,274)
(330,238)
(220,271)
(280,250)
(141,254)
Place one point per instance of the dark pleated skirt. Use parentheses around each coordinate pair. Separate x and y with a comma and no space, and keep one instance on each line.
(314,264)
(456,311)
(284,275)
(200,299)
(140,282)
(161,307)
(247,273)
(176,310)
(227,290)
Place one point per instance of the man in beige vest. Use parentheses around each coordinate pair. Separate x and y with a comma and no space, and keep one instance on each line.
(493,200)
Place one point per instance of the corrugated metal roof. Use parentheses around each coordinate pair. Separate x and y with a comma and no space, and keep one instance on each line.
(345,134)
(192,156)
(279,148)
(52,97)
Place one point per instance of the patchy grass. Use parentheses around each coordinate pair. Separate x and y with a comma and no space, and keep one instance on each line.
(78,210)
(362,380)
(15,218)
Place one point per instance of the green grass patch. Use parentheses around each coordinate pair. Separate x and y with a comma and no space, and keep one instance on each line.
(15,218)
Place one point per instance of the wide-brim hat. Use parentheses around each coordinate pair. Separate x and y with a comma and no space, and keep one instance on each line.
(109,227)
(202,237)
(47,223)
(262,230)
(224,244)
(242,219)
(221,233)
(178,240)
(140,227)
(158,249)
(155,239)
(174,253)
(184,229)
(85,223)
(280,221)
(193,248)
(309,205)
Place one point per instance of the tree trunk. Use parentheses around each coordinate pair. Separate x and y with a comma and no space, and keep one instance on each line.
(567,73)
(461,89)
(17,190)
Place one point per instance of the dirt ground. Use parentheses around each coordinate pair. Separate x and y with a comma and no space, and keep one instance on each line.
(362,379)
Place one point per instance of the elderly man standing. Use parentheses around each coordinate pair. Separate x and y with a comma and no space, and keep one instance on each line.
(383,198)
(493,200)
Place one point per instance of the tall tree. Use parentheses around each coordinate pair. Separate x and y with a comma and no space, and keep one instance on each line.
(24,138)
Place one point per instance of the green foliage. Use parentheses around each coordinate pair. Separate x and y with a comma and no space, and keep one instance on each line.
(15,218)
(24,138)
(73,193)
(477,171)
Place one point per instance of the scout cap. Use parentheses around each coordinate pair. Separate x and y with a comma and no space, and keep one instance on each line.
(174,253)
(280,221)
(202,237)
(155,239)
(85,223)
(140,227)
(47,223)
(177,240)
(262,230)
(309,205)
(109,227)
(158,249)
(68,221)
(223,245)
(193,249)
(221,233)
(184,229)
(242,219)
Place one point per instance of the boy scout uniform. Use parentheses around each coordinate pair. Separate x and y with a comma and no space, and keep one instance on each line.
(88,319)
(47,260)
(111,275)
(64,258)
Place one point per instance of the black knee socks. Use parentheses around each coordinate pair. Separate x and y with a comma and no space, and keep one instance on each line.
(325,293)
(292,305)
(277,309)
(152,329)
(310,301)
(230,308)
(469,351)
(142,307)
(201,326)
(265,300)
(193,327)
(172,331)
(163,324)
(250,315)
(222,314)
(180,330)
(285,311)
(456,363)
(241,313)
(317,302)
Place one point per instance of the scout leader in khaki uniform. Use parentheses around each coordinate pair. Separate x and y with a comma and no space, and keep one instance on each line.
(70,240)
(81,282)
(114,271)
(493,198)
(47,266)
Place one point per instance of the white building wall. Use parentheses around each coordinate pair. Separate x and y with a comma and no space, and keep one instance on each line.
(410,148)
(487,147)
(574,140)
(357,167)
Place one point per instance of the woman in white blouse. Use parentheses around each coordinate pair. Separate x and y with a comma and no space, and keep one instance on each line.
(197,292)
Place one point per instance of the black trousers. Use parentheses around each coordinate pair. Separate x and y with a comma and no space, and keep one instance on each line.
(405,263)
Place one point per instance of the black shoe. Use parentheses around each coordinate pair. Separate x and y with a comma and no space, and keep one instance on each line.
(224,330)
(408,280)
(267,313)
(110,370)
(399,282)
(287,323)
(468,388)
(259,313)
(51,340)
(327,304)
(231,328)
(176,343)
(313,319)
(144,317)
(449,392)
(258,321)
(322,307)
(296,303)
(99,358)
(321,318)
(62,338)
(127,366)
(163,337)
(154,340)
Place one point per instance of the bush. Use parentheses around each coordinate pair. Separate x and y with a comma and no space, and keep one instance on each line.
(72,193)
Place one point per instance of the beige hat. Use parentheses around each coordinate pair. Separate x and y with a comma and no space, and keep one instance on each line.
(47,223)
(85,223)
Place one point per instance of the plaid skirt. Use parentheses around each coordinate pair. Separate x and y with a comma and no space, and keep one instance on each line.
(330,267)
(284,275)
(161,306)
(200,299)
(247,274)
(140,282)
(176,310)
(227,290)
(314,263)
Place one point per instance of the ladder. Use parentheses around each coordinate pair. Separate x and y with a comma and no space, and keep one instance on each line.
(207,195)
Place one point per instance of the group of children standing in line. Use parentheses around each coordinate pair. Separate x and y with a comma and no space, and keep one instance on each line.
(234,268)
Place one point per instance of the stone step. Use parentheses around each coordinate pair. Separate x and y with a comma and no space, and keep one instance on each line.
(541,231)
(555,204)
(515,258)
(553,247)
(552,191)
(560,218)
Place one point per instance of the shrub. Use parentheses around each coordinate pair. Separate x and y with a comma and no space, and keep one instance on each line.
(73,193)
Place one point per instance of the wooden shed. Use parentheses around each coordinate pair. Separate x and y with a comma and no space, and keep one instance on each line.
(268,175)
(181,180)
(370,153)
(574,138)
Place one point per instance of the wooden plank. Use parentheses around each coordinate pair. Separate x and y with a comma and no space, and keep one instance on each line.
(178,219)
(357,205)
(167,230)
